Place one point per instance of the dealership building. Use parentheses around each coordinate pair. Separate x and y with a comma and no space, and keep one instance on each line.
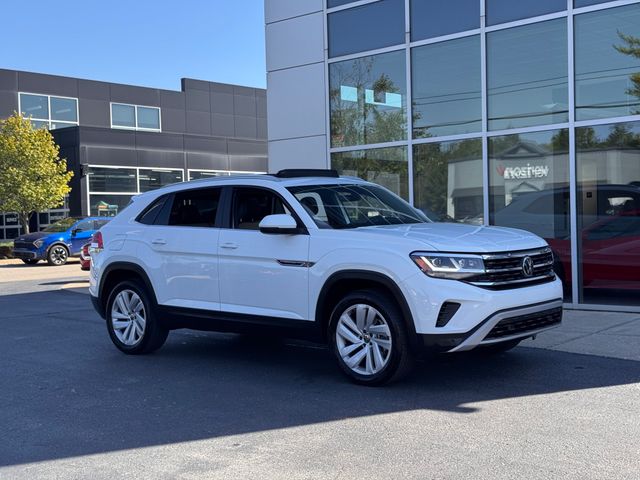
(490,112)
(121,140)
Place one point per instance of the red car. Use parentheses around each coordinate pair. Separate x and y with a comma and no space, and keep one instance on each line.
(85,257)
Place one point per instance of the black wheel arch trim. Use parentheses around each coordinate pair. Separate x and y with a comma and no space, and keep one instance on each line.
(376,277)
(122,266)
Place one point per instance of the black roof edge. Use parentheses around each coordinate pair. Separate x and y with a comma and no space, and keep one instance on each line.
(306,172)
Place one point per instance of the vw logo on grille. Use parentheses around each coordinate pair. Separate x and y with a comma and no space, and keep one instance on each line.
(527,266)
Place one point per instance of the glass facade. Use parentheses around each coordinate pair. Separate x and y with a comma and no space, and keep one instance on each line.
(524,115)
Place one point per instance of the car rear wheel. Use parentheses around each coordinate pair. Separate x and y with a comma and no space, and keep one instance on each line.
(131,320)
(368,338)
(57,255)
(30,261)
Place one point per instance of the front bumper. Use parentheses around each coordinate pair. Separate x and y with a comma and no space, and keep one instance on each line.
(502,326)
(25,254)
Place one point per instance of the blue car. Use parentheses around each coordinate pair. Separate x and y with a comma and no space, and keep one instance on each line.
(57,242)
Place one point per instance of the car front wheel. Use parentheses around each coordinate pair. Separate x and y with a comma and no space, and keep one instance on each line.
(368,338)
(58,255)
(131,320)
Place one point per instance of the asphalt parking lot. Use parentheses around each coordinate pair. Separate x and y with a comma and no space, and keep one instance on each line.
(227,406)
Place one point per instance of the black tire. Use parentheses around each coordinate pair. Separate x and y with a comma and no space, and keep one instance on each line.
(155,334)
(30,261)
(57,255)
(501,347)
(400,356)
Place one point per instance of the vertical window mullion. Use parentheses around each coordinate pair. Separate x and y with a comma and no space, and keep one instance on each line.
(573,190)
(485,114)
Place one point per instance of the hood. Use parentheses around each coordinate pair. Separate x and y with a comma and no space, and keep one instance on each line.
(460,238)
(32,237)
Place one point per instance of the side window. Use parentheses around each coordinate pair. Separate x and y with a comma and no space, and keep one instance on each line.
(149,214)
(97,224)
(84,226)
(195,208)
(251,205)
(313,204)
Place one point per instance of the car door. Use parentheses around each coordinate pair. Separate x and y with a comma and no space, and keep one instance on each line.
(262,274)
(80,234)
(179,249)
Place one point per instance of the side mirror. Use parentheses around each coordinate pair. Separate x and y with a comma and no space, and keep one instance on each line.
(282,224)
(75,231)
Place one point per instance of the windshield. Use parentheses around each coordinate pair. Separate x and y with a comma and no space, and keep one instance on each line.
(61,225)
(353,206)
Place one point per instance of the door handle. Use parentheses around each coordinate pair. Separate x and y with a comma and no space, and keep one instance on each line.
(229,245)
(159,241)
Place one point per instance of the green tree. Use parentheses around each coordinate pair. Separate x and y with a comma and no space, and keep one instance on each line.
(631,48)
(33,177)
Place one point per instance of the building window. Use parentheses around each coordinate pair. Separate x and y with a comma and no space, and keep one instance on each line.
(447,180)
(434,18)
(608,175)
(150,178)
(607,56)
(135,117)
(48,111)
(447,97)
(337,3)
(586,3)
(367,27)
(113,180)
(385,166)
(527,71)
(200,174)
(529,189)
(368,99)
(502,11)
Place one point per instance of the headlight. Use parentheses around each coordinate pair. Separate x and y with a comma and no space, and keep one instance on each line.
(449,265)
(38,243)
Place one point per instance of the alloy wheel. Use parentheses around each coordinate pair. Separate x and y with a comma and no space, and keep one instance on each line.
(363,339)
(58,255)
(128,317)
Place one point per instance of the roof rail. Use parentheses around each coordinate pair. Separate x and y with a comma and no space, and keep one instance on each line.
(306,172)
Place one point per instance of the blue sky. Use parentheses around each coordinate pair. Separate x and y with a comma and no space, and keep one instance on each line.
(139,42)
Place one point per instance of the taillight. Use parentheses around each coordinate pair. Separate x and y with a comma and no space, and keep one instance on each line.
(97,243)
(85,250)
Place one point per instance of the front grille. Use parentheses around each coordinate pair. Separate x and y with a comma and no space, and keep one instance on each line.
(22,244)
(505,270)
(526,323)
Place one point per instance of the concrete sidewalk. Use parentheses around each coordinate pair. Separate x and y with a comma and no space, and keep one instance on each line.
(606,334)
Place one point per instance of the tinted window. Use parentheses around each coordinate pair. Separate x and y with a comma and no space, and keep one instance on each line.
(84,226)
(501,11)
(195,208)
(375,25)
(337,3)
(150,179)
(251,205)
(432,18)
(36,106)
(586,3)
(149,215)
(607,63)
(112,180)
(123,115)
(528,75)
(446,94)
(149,118)
(64,109)
(98,224)
(368,98)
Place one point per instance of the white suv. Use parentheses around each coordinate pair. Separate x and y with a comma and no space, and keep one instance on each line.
(309,254)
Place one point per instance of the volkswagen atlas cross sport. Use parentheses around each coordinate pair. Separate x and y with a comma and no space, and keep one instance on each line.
(309,254)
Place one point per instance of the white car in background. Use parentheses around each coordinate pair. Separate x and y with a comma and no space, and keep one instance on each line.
(313,255)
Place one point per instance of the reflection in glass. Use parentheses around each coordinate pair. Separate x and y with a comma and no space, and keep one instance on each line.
(385,166)
(367,27)
(108,205)
(39,124)
(35,106)
(608,170)
(529,189)
(368,100)
(447,97)
(586,3)
(433,18)
(149,117)
(64,109)
(198,174)
(112,180)
(150,179)
(527,75)
(608,63)
(501,11)
(59,125)
(337,3)
(447,180)
(123,115)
